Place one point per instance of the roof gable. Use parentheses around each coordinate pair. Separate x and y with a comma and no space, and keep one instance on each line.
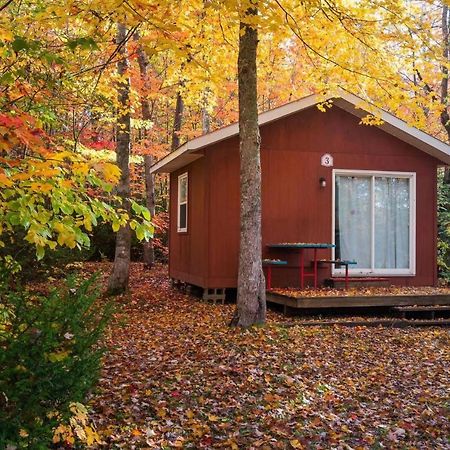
(349,102)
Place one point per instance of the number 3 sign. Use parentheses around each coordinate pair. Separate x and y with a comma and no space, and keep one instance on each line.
(326,160)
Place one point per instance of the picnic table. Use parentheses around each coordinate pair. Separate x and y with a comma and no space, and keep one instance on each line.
(340,262)
(269,263)
(300,247)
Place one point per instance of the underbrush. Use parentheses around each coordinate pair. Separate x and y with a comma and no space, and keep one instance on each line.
(49,360)
(443,254)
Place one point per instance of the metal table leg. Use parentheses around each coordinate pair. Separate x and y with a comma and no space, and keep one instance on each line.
(315,268)
(302,269)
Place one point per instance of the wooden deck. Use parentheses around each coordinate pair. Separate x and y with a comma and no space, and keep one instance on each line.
(357,302)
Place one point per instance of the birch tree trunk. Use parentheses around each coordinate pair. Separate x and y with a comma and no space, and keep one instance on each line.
(118,280)
(251,295)
(149,251)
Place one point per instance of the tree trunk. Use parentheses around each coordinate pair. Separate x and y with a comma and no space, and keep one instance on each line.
(206,118)
(445,117)
(149,252)
(251,295)
(118,280)
(177,122)
(206,121)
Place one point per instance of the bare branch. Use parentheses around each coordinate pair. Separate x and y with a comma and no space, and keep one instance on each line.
(5,5)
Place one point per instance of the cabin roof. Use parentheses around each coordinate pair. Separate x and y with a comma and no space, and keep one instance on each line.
(351,103)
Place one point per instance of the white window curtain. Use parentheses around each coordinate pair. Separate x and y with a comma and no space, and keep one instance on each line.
(353,219)
(372,221)
(182,202)
(392,223)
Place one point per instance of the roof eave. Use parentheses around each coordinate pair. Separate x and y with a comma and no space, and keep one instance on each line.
(185,154)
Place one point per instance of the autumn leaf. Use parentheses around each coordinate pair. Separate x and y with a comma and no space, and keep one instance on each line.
(213,418)
(5,181)
(297,386)
(58,356)
(111,172)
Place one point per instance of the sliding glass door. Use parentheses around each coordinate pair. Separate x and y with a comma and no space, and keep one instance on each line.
(374,217)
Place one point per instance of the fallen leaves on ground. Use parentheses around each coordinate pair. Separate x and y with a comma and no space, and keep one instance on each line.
(176,376)
(365,291)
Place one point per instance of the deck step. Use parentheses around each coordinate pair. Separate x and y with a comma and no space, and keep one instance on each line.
(432,309)
(422,308)
(389,323)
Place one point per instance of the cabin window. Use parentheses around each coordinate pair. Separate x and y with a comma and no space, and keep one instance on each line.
(182,202)
(374,221)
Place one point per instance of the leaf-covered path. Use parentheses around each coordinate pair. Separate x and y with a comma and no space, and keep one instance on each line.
(176,376)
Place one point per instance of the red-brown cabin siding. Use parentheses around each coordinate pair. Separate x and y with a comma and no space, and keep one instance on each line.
(294,206)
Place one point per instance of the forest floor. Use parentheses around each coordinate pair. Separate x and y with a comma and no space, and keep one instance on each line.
(176,376)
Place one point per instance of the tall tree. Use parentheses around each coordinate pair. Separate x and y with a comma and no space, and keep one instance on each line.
(177,121)
(149,251)
(251,296)
(118,280)
(445,117)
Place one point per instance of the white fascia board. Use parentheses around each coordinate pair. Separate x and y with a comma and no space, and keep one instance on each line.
(180,162)
(167,159)
(191,146)
(344,100)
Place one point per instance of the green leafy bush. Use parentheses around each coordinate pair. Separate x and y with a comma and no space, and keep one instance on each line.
(443,228)
(49,358)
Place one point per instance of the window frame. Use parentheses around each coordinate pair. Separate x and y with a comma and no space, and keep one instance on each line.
(183,176)
(411,176)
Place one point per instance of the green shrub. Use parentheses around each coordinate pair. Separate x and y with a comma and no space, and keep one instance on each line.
(443,228)
(49,358)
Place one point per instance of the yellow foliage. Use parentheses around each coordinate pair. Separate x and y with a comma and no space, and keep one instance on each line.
(81,168)
(21,176)
(6,35)
(67,238)
(111,173)
(87,222)
(78,428)
(58,356)
(41,187)
(5,181)
(373,49)
(371,119)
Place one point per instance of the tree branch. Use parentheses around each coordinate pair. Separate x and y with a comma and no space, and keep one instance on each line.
(5,5)
(290,20)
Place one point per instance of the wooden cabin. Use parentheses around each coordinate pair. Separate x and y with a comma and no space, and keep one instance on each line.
(371,191)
